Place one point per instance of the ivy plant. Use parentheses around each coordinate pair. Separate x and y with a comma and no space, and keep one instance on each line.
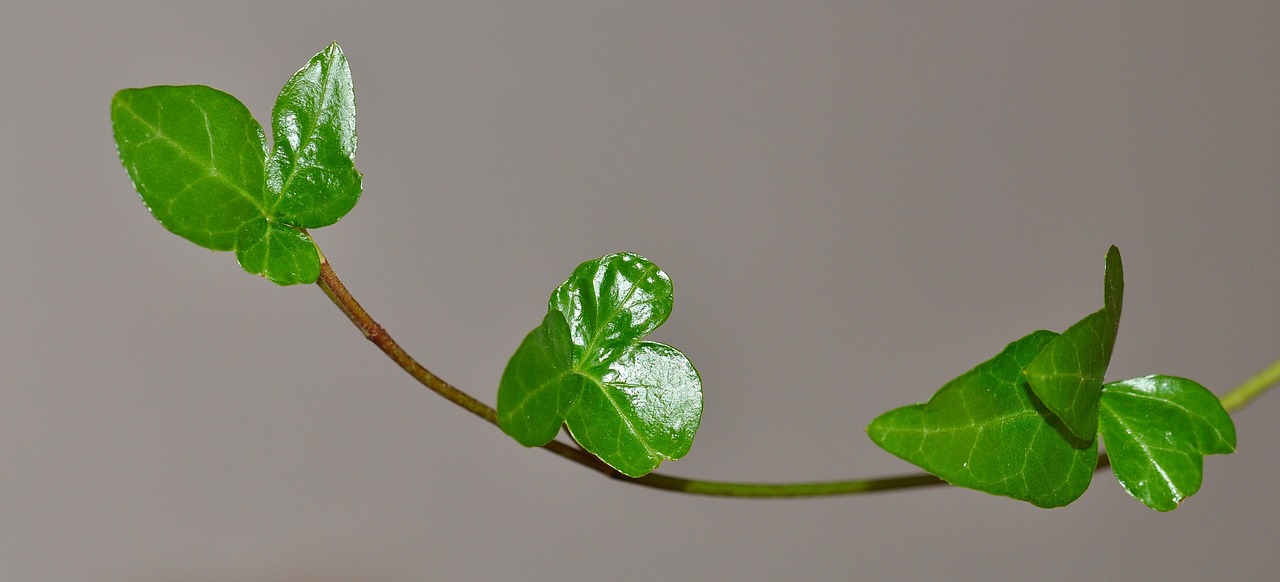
(1025,424)
(200,162)
(631,403)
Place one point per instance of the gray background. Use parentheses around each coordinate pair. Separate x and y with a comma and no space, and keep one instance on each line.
(857,202)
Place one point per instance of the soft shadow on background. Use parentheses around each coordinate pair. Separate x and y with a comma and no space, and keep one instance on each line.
(856,201)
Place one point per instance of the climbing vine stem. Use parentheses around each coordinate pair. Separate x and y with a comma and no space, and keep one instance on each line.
(375,333)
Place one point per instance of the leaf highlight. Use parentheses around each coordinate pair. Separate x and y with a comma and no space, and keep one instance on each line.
(1157,430)
(311,171)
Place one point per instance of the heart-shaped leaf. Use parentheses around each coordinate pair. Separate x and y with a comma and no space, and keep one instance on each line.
(199,160)
(1067,376)
(986,430)
(283,254)
(631,403)
(1157,430)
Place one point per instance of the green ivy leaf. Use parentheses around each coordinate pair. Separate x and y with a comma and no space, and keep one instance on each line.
(1067,376)
(631,403)
(986,430)
(196,157)
(283,254)
(1157,430)
(199,161)
(311,171)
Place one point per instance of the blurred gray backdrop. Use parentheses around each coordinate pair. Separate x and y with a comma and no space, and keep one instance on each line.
(857,201)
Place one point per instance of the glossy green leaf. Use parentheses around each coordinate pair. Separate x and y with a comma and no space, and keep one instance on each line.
(609,303)
(986,430)
(630,402)
(1157,430)
(195,156)
(539,385)
(280,253)
(200,162)
(1067,376)
(311,171)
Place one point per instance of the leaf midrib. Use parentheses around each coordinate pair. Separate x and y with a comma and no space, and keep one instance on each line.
(626,420)
(590,348)
(307,136)
(1128,431)
(529,394)
(1191,413)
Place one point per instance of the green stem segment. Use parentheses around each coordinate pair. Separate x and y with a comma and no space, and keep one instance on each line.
(337,292)
(375,333)
(1252,388)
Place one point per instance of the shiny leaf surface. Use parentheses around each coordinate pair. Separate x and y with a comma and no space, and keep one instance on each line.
(986,430)
(1157,430)
(1067,376)
(199,161)
(311,171)
(632,403)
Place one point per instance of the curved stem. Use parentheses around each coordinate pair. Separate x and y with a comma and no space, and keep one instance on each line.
(1252,388)
(337,292)
(375,333)
(813,489)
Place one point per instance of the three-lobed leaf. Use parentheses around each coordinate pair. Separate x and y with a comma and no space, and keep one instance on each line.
(1157,430)
(1067,375)
(632,403)
(199,161)
(986,430)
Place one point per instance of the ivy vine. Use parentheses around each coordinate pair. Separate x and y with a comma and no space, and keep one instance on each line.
(1025,424)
